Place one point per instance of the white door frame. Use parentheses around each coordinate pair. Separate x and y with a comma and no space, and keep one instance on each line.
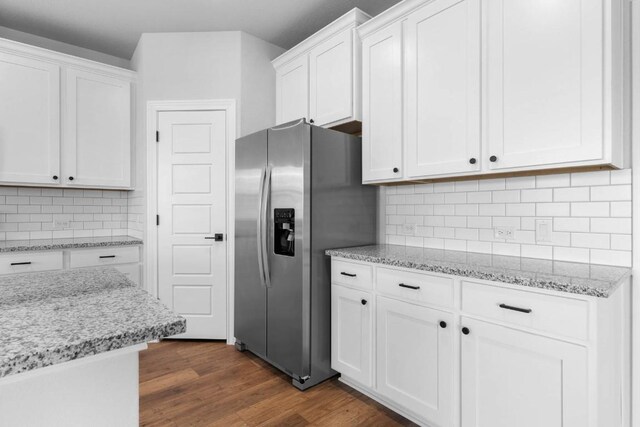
(635,165)
(151,244)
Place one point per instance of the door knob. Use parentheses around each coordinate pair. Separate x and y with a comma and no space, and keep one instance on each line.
(218,237)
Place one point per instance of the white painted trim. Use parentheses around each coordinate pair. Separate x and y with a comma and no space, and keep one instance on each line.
(151,243)
(393,14)
(635,161)
(66,60)
(351,19)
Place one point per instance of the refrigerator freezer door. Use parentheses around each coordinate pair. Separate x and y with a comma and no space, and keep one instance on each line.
(250,291)
(288,307)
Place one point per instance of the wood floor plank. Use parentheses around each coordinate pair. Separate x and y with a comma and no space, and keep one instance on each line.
(203,383)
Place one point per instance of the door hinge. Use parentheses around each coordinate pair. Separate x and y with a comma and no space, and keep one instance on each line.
(157,136)
(157,219)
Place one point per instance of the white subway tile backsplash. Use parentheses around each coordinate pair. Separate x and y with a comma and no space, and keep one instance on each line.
(590,214)
(611,193)
(28,213)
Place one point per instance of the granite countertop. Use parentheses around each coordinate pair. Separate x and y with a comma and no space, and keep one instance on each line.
(81,242)
(576,278)
(53,317)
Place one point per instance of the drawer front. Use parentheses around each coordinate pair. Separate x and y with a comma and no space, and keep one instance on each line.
(26,262)
(351,274)
(415,287)
(548,313)
(132,271)
(104,256)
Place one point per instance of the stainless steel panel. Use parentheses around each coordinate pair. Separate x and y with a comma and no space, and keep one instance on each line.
(288,308)
(250,294)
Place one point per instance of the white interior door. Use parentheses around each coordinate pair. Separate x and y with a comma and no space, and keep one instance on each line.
(192,273)
(29,120)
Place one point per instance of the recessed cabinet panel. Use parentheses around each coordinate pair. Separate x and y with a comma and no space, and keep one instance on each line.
(351,333)
(513,378)
(97,144)
(330,80)
(443,68)
(415,359)
(29,120)
(544,82)
(292,90)
(382,105)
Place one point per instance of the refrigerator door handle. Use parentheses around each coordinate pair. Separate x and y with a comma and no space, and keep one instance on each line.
(266,198)
(263,173)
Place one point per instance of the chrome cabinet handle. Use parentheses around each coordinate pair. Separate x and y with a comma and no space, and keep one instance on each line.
(510,307)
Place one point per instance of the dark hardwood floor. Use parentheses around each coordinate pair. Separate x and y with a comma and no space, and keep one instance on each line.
(194,383)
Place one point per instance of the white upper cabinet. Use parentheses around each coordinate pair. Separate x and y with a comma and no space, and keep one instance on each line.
(545,82)
(29,120)
(319,79)
(97,144)
(495,86)
(382,105)
(64,121)
(443,73)
(292,90)
(331,79)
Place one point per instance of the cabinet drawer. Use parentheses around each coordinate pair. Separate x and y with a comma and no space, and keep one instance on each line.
(104,256)
(132,271)
(558,315)
(26,262)
(351,274)
(415,287)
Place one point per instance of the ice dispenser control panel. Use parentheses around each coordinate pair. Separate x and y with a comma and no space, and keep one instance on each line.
(284,230)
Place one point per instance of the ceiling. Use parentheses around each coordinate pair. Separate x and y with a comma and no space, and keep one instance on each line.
(114,26)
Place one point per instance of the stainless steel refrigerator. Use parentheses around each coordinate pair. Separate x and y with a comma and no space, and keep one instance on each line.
(298,192)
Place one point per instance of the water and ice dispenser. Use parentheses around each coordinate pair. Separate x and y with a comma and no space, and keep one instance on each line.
(284,231)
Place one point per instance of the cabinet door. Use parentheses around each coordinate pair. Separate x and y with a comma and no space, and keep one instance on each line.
(382,104)
(512,378)
(331,79)
(292,90)
(351,333)
(443,72)
(97,142)
(415,359)
(29,120)
(544,82)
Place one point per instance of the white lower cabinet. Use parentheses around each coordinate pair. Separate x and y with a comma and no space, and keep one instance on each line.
(352,329)
(515,378)
(456,352)
(415,361)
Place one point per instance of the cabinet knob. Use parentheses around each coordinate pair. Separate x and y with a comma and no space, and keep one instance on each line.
(70,178)
(472,160)
(55,177)
(465,330)
(363,302)
(443,324)
(311,121)
(396,170)
(493,158)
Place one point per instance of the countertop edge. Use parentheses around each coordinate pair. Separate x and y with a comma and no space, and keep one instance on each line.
(473,273)
(41,359)
(70,245)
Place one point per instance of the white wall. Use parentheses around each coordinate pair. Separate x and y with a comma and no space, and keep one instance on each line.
(200,65)
(57,46)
